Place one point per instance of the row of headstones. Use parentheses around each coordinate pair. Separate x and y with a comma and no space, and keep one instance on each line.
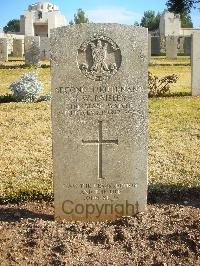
(34,48)
(38,48)
(171,46)
(191,47)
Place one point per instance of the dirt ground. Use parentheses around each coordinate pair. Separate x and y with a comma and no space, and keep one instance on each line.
(167,234)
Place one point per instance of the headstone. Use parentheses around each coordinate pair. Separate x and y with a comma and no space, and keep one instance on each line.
(171,47)
(3,49)
(44,48)
(32,50)
(149,46)
(195,61)
(187,45)
(155,45)
(99,116)
(18,47)
(180,45)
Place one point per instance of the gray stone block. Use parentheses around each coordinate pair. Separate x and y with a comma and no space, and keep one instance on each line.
(32,50)
(99,116)
(195,61)
(3,49)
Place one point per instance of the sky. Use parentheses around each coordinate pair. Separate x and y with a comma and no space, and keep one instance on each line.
(118,11)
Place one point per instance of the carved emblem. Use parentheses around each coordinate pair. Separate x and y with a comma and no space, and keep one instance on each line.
(99,58)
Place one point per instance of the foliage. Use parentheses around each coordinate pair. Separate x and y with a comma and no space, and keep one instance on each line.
(12,26)
(79,17)
(27,89)
(181,6)
(159,86)
(150,20)
(186,20)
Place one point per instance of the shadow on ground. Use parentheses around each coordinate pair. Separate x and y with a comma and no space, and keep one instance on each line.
(14,214)
(8,98)
(16,60)
(171,194)
(157,194)
(23,66)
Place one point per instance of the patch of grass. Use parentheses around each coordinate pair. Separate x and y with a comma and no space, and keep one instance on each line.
(183,84)
(174,141)
(163,60)
(25,153)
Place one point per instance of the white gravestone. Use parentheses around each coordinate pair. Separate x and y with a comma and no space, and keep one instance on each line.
(18,47)
(32,50)
(44,48)
(195,61)
(3,49)
(171,47)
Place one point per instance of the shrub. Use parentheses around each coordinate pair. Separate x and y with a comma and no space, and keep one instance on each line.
(160,86)
(27,89)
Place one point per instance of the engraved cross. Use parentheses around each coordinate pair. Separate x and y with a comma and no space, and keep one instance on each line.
(100,143)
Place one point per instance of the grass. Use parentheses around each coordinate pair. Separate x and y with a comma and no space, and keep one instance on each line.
(26,148)
(183,84)
(163,60)
(174,141)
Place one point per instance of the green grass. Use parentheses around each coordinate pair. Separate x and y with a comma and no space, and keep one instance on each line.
(163,60)
(26,145)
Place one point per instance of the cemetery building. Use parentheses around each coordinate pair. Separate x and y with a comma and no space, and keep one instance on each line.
(170,25)
(40,18)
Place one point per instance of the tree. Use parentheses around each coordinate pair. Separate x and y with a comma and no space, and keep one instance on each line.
(181,6)
(150,20)
(186,20)
(13,26)
(79,17)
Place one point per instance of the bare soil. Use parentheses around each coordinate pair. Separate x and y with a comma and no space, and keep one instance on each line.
(167,234)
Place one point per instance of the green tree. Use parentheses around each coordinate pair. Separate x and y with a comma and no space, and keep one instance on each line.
(186,20)
(79,17)
(13,26)
(181,6)
(150,20)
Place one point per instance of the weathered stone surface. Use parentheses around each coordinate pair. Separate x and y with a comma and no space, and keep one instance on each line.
(171,47)
(18,47)
(195,61)
(155,45)
(44,48)
(99,116)
(32,50)
(187,45)
(149,46)
(3,49)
